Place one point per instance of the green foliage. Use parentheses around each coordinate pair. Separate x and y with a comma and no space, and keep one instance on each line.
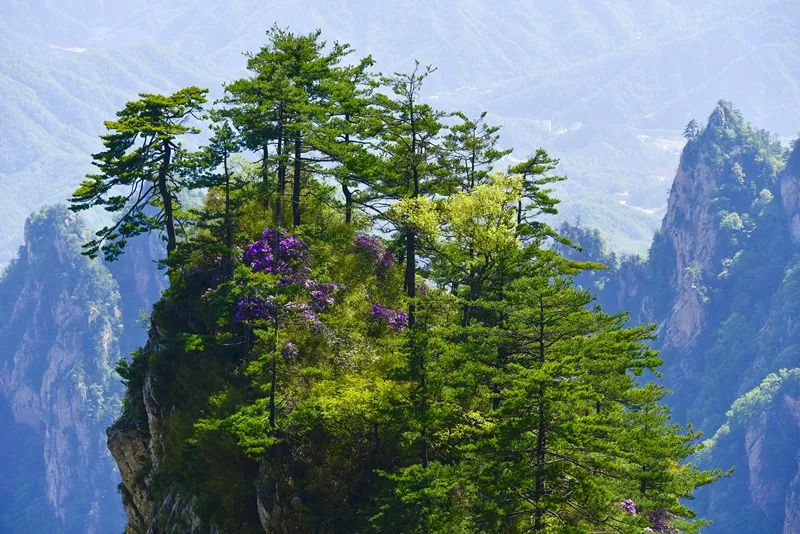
(461,385)
(731,222)
(692,130)
(750,405)
(141,170)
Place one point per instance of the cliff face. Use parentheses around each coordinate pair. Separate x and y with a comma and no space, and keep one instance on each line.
(58,327)
(61,335)
(152,497)
(138,449)
(722,282)
(690,230)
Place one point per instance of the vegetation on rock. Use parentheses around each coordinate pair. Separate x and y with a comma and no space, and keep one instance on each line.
(409,355)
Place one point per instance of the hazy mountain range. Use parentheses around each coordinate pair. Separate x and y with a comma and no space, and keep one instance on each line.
(606,86)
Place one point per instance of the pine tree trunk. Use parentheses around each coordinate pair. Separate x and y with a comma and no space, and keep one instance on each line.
(296,182)
(541,439)
(281,181)
(166,198)
(348,203)
(348,195)
(273,373)
(228,221)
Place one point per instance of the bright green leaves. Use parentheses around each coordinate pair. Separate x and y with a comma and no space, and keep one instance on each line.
(418,214)
(248,426)
(356,402)
(482,219)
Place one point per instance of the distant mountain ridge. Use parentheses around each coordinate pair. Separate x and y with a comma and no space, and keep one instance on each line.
(606,86)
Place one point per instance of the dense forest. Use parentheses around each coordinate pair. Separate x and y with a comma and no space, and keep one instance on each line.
(368,324)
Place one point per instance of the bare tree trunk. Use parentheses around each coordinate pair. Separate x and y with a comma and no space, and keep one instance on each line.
(348,203)
(228,220)
(541,439)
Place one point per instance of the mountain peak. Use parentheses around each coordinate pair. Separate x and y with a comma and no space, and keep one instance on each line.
(718,116)
(725,115)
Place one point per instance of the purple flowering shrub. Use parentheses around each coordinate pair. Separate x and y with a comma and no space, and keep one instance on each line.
(321,294)
(254,308)
(292,265)
(629,506)
(289,351)
(658,522)
(657,519)
(298,294)
(375,248)
(396,320)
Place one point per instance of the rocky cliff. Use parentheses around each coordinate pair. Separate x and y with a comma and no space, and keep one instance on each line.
(149,463)
(61,334)
(722,282)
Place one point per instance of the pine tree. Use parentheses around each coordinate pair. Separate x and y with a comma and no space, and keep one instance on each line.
(141,170)
(283,102)
(408,141)
(691,131)
(342,135)
(536,198)
(575,434)
(471,150)
(217,174)
(539,417)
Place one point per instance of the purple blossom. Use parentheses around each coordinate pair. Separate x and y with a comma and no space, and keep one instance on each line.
(321,294)
(629,506)
(293,264)
(423,290)
(304,310)
(252,308)
(395,319)
(289,351)
(376,249)
(658,521)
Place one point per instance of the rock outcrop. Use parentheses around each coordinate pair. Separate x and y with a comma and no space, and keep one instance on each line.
(138,450)
(721,282)
(61,334)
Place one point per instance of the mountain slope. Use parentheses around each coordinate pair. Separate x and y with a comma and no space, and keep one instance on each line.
(63,326)
(721,283)
(53,106)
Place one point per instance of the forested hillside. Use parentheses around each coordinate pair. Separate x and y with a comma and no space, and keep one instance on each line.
(367,328)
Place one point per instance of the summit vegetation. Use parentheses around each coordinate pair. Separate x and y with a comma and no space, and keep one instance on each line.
(368,327)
